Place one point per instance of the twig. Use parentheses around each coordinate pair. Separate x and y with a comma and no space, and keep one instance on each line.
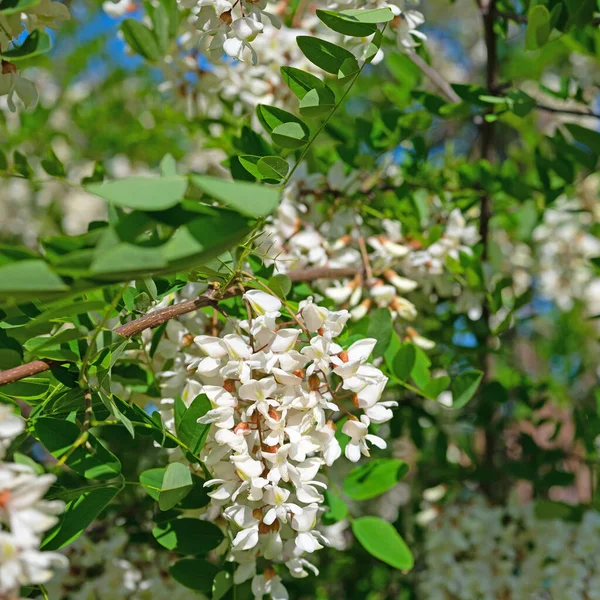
(365,258)
(568,111)
(158,317)
(435,77)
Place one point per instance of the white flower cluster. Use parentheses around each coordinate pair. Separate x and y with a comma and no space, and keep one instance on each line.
(274,391)
(24,517)
(474,551)
(37,15)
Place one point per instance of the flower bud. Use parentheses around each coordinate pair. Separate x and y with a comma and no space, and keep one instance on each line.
(226,17)
(257,514)
(274,415)
(243,426)
(343,356)
(229,385)
(314,383)
(187,340)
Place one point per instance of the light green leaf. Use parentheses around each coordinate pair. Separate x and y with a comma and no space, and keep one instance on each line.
(249,199)
(176,485)
(280,284)
(141,39)
(538,27)
(314,104)
(221,585)
(32,275)
(286,130)
(380,538)
(142,193)
(273,167)
(420,370)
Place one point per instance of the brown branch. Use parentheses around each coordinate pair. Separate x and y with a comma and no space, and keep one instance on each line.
(436,78)
(158,317)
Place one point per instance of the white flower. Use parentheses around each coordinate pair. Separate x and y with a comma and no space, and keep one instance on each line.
(12,84)
(262,303)
(358,431)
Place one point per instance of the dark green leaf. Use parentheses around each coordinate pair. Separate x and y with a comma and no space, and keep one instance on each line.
(464,387)
(188,536)
(195,573)
(90,459)
(326,55)
(36,43)
(77,516)
(380,328)
(280,285)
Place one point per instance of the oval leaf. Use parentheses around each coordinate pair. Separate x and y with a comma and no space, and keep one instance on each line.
(374,478)
(380,539)
(188,536)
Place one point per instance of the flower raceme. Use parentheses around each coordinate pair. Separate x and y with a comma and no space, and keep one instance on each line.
(276,390)
(24,517)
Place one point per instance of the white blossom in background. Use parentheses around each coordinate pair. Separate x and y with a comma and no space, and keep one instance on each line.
(473,550)
(24,518)
(565,248)
(107,565)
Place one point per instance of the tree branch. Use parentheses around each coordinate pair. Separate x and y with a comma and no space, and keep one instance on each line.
(158,317)
(568,111)
(436,78)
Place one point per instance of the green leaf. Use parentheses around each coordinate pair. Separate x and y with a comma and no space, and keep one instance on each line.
(301,83)
(3,161)
(348,68)
(176,485)
(151,480)
(587,137)
(338,509)
(127,259)
(404,361)
(273,167)
(141,39)
(250,163)
(356,23)
(380,328)
(30,388)
(32,276)
(21,165)
(221,585)
(380,539)
(11,7)
(52,165)
(327,56)
(420,370)
(36,43)
(538,27)
(90,459)
(314,104)
(188,536)
(286,130)
(374,478)
(189,431)
(280,285)
(436,386)
(168,166)
(464,387)
(77,516)
(160,23)
(143,193)
(195,573)
(249,199)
